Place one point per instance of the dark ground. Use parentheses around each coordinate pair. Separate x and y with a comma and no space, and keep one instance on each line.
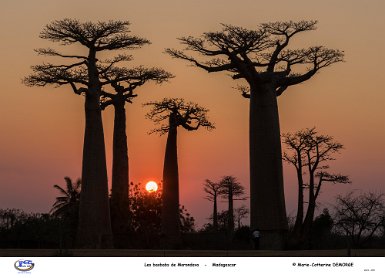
(187,253)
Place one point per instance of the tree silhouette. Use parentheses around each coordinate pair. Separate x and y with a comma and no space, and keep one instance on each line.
(261,57)
(82,73)
(124,81)
(189,116)
(310,153)
(145,208)
(68,203)
(360,217)
(213,191)
(230,188)
(240,213)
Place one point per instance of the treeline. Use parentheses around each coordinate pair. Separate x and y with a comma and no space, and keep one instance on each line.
(354,221)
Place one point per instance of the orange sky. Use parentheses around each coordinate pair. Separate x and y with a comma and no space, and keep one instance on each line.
(41,129)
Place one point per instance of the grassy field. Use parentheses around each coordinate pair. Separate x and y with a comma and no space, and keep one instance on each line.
(188,253)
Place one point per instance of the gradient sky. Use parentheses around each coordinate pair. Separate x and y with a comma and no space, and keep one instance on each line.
(41,129)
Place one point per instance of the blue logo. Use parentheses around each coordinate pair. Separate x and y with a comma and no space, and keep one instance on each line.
(24,265)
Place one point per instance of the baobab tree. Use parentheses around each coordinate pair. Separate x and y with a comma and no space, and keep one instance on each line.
(261,58)
(190,116)
(82,73)
(231,190)
(213,191)
(310,153)
(124,84)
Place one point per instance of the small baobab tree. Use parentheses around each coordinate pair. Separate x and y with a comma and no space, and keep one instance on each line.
(262,58)
(310,153)
(124,84)
(231,190)
(82,73)
(212,190)
(190,116)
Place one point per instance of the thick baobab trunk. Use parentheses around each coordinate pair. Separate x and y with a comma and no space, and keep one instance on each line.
(215,214)
(267,201)
(94,230)
(170,196)
(120,175)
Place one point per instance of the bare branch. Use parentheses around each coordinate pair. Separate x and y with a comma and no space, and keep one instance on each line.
(189,115)
(101,36)
(57,75)
(52,52)
(208,66)
(259,56)
(318,57)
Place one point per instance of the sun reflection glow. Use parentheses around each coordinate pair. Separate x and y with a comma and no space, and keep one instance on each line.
(151,186)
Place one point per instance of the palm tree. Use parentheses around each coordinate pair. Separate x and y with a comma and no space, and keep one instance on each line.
(68,203)
(190,116)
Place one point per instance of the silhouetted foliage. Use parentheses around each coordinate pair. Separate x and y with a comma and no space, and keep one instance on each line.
(231,190)
(124,84)
(213,191)
(33,230)
(9,217)
(239,214)
(321,233)
(145,217)
(83,74)
(68,203)
(310,153)
(360,217)
(263,60)
(176,112)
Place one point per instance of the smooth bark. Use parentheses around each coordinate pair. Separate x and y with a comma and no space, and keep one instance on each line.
(120,173)
(267,202)
(94,230)
(170,196)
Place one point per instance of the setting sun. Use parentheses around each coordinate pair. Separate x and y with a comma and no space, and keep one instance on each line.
(151,186)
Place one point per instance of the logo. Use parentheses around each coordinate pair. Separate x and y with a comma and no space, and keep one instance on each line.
(24,265)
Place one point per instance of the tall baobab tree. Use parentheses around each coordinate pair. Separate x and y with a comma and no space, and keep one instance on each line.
(310,153)
(124,82)
(213,191)
(261,58)
(232,190)
(190,116)
(82,73)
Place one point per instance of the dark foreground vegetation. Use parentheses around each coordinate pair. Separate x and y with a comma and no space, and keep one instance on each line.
(345,228)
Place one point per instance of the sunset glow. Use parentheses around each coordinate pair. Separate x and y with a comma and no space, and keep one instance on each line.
(151,186)
(343,101)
